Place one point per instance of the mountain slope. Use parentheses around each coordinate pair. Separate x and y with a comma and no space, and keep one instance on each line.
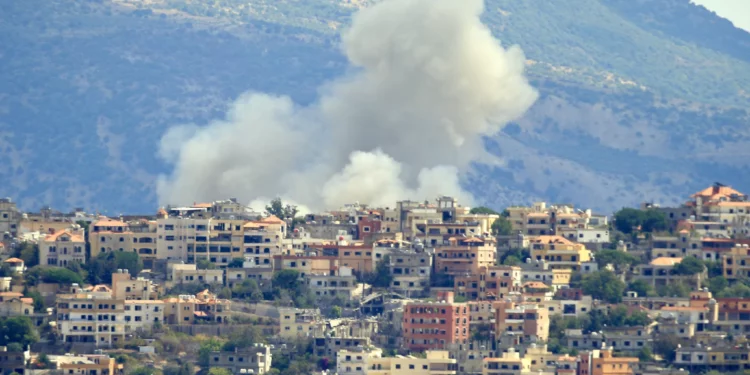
(635,103)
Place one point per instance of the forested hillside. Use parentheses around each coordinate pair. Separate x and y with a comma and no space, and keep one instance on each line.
(643,99)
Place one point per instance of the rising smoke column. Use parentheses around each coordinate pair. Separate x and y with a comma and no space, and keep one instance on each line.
(428,80)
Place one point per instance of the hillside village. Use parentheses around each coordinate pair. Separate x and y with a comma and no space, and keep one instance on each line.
(429,287)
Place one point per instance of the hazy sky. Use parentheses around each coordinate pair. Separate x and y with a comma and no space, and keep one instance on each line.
(737,11)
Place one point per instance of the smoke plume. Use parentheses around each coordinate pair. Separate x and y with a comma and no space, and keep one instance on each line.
(428,80)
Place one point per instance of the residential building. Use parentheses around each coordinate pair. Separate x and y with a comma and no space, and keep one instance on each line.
(189,273)
(625,339)
(307,265)
(542,220)
(339,282)
(109,235)
(436,233)
(203,307)
(465,255)
(14,304)
(88,364)
(236,276)
(253,360)
(660,272)
(540,270)
(126,287)
(140,315)
(436,362)
(432,325)
(717,358)
(527,322)
(354,361)
(410,271)
(295,322)
(91,318)
(63,247)
(13,362)
(15,265)
(264,239)
(510,362)
(10,219)
(559,252)
(602,362)
(686,321)
(736,263)
(495,282)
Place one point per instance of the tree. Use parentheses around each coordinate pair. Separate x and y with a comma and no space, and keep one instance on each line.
(38,300)
(502,227)
(236,263)
(204,352)
(61,276)
(283,212)
(641,287)
(737,290)
(335,312)
(645,355)
(205,264)
(674,289)
(665,346)
(481,210)
(627,220)
(603,285)
(43,362)
(653,221)
(219,371)
(248,289)
(29,253)
(717,284)
(18,329)
(102,267)
(520,254)
(689,266)
(638,318)
(620,259)
(381,278)
(511,261)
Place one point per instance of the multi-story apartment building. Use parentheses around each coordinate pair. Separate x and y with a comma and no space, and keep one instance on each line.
(264,239)
(495,282)
(13,362)
(528,322)
(109,235)
(559,252)
(89,364)
(717,358)
(465,255)
(626,339)
(203,307)
(126,287)
(307,265)
(736,263)
(189,273)
(677,246)
(295,322)
(354,361)
(144,236)
(603,362)
(63,247)
(341,282)
(541,220)
(253,360)
(510,362)
(410,271)
(10,219)
(236,276)
(91,318)
(686,321)
(434,234)
(14,304)
(540,270)
(435,362)
(142,314)
(432,325)
(660,272)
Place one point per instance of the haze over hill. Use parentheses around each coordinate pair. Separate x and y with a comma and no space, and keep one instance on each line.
(639,100)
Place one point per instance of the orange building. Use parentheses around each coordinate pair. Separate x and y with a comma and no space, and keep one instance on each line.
(465,255)
(602,362)
(433,325)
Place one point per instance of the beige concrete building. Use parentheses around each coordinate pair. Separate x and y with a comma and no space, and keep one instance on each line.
(91,318)
(204,307)
(559,252)
(436,362)
(126,287)
(295,322)
(63,247)
(354,361)
(189,273)
(88,364)
(10,219)
(140,315)
(465,255)
(14,304)
(253,360)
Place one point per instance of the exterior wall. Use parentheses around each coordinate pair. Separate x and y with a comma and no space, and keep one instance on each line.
(435,363)
(60,249)
(465,255)
(355,362)
(256,358)
(92,319)
(125,287)
(10,219)
(410,271)
(297,322)
(531,324)
(189,273)
(433,325)
(142,314)
(559,252)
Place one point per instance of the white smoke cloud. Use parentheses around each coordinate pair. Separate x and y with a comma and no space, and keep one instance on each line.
(428,81)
